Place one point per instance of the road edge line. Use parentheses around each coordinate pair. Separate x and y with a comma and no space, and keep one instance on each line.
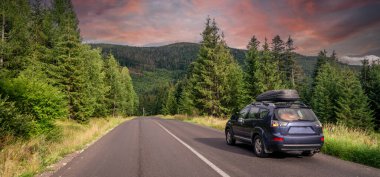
(204,159)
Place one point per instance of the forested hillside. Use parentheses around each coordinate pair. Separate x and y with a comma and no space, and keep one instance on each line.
(177,56)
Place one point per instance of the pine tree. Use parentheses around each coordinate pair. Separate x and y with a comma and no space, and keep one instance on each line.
(95,87)
(113,82)
(293,74)
(15,36)
(333,56)
(267,75)
(185,99)
(370,80)
(250,65)
(169,105)
(339,98)
(352,107)
(326,93)
(321,60)
(128,95)
(208,76)
(278,47)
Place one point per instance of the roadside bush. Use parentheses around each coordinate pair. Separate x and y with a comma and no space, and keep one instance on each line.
(37,98)
(12,123)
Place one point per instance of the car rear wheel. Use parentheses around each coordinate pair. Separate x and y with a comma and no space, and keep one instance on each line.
(230,138)
(308,153)
(258,147)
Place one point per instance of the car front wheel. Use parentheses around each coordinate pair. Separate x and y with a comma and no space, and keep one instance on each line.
(258,147)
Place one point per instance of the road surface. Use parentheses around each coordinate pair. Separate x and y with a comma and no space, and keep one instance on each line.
(153,147)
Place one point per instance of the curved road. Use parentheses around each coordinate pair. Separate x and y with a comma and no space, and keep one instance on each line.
(153,147)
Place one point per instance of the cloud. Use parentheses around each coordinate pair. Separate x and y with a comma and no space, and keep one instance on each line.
(314,25)
(358,60)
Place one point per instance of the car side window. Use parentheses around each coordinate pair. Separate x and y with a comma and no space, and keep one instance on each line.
(253,113)
(263,113)
(243,113)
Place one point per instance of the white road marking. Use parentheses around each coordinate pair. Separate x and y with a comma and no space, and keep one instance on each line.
(213,166)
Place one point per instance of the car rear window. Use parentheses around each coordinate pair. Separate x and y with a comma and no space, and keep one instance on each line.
(295,114)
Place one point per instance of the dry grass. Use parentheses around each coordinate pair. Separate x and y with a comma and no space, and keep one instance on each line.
(27,158)
(213,122)
(349,144)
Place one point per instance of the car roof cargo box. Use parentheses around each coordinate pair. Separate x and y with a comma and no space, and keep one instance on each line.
(279,96)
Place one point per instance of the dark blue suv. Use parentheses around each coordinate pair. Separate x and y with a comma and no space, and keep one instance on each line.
(278,121)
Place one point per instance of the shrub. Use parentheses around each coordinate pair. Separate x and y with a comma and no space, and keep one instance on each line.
(12,123)
(37,98)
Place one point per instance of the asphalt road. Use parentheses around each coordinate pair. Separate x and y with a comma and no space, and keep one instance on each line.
(153,147)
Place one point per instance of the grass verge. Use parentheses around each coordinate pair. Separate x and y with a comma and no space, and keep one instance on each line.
(30,157)
(352,144)
(348,144)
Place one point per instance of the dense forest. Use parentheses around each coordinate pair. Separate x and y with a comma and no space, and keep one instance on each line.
(47,73)
(155,68)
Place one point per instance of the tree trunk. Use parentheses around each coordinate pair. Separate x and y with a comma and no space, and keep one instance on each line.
(293,82)
(2,39)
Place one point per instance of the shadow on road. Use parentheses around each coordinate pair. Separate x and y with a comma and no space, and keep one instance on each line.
(241,148)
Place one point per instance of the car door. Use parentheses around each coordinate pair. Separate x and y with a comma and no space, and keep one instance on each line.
(249,122)
(238,126)
(261,118)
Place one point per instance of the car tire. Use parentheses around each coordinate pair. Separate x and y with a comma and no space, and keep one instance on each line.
(258,147)
(308,153)
(230,137)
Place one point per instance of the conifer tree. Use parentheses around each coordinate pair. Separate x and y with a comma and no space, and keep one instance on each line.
(127,93)
(338,97)
(113,82)
(185,99)
(292,71)
(15,35)
(326,93)
(267,74)
(370,80)
(208,76)
(321,60)
(250,65)
(169,105)
(352,108)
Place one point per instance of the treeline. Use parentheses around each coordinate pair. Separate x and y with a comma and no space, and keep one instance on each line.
(176,56)
(216,85)
(47,73)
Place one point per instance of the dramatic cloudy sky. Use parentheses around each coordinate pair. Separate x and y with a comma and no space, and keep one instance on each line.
(351,27)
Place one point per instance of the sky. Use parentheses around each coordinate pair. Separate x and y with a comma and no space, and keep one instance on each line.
(351,27)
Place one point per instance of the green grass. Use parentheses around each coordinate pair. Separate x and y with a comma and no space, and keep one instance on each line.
(348,144)
(352,144)
(30,157)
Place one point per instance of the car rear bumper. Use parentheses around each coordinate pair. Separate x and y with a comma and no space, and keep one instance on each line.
(299,147)
(297,143)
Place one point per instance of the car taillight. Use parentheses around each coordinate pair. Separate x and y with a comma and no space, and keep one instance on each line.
(278,139)
(322,138)
(276,123)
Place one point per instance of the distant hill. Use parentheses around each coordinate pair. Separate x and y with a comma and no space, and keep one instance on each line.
(175,56)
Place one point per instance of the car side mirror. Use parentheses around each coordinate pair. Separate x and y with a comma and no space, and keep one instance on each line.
(234,116)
